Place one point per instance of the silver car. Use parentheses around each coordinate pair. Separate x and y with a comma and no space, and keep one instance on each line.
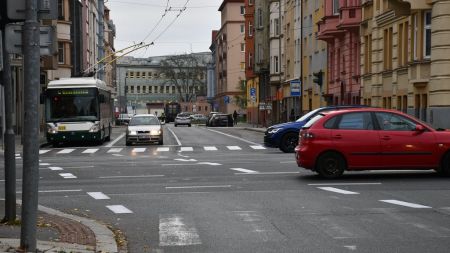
(144,128)
(182,119)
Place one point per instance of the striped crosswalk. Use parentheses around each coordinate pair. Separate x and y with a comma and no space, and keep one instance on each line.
(157,149)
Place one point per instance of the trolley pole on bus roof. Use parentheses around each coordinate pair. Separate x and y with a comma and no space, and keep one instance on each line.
(31,50)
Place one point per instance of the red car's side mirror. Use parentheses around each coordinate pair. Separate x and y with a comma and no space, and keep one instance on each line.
(419,128)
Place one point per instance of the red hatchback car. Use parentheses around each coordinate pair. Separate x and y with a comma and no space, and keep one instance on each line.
(371,138)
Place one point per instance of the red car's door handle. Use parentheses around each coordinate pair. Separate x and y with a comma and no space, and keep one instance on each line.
(337,136)
(386,138)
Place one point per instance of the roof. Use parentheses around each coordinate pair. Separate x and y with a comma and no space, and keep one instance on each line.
(229,1)
(77,82)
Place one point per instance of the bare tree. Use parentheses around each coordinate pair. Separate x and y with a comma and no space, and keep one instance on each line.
(187,73)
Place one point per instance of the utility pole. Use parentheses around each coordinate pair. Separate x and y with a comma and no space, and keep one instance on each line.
(31,50)
(9,138)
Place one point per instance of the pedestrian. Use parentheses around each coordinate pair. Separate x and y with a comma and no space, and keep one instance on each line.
(292,115)
(235,115)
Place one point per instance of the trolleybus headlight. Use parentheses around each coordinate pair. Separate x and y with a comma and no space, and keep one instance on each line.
(95,128)
(131,132)
(51,129)
(155,132)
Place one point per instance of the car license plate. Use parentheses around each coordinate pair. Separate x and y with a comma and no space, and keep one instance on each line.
(61,127)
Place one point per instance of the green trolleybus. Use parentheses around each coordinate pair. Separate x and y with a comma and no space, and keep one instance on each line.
(78,109)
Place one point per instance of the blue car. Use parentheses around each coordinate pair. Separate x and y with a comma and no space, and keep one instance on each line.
(285,135)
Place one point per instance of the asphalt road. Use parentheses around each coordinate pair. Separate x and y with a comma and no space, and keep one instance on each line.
(220,190)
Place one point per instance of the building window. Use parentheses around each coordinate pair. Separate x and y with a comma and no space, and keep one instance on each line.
(336,7)
(242,47)
(242,66)
(276,26)
(250,29)
(138,74)
(275,64)
(250,61)
(167,89)
(242,29)
(60,9)
(402,44)
(61,53)
(427,35)
(242,9)
(260,18)
(149,74)
(250,2)
(161,89)
(143,74)
(131,74)
(387,57)
(144,89)
(150,89)
(132,89)
(138,89)
(173,89)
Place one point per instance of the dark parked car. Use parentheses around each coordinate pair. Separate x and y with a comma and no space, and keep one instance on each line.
(370,139)
(285,135)
(221,120)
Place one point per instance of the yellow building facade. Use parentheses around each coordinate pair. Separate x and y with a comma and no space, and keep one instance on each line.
(405,57)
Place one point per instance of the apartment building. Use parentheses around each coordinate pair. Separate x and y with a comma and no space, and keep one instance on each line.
(314,54)
(339,28)
(229,46)
(252,89)
(404,61)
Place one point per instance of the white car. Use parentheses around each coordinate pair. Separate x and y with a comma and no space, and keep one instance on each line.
(144,128)
(183,119)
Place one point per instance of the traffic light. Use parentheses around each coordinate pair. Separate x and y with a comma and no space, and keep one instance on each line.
(318,78)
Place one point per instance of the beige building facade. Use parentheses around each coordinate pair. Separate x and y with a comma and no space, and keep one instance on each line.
(405,61)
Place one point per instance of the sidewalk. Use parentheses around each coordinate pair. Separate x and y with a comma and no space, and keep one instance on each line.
(251,127)
(60,232)
(18,142)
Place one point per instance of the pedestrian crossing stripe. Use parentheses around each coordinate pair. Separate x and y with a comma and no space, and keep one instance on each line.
(114,151)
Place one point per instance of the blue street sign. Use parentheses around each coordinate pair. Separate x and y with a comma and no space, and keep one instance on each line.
(252,92)
(295,88)
(226,99)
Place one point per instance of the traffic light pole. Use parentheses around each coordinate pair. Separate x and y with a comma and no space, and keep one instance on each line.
(9,138)
(31,48)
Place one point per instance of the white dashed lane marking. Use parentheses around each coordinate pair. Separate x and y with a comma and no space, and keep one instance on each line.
(162,149)
(210,148)
(138,150)
(43,151)
(234,148)
(66,151)
(332,189)
(184,149)
(119,209)
(55,168)
(114,150)
(175,230)
(67,175)
(44,164)
(402,203)
(90,151)
(98,195)
(243,170)
(257,147)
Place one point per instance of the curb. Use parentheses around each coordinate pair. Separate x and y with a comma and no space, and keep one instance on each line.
(261,130)
(104,237)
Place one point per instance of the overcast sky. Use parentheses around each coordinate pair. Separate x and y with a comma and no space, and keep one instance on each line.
(190,32)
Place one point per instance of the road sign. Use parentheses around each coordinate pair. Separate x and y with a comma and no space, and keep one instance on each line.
(252,92)
(226,99)
(295,88)
(48,41)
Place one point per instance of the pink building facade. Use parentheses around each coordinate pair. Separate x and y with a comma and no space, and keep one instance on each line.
(340,29)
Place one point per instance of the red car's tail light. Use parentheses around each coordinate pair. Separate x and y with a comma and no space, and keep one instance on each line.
(306,136)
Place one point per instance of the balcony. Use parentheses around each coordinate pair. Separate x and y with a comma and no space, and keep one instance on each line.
(350,17)
(328,28)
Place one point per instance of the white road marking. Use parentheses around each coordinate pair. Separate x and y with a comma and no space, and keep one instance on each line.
(18,157)
(67,175)
(44,164)
(66,151)
(350,247)
(344,184)
(140,176)
(51,191)
(98,195)
(117,155)
(162,149)
(198,186)
(209,163)
(176,137)
(245,171)
(119,209)
(55,168)
(114,150)
(90,151)
(17,154)
(185,160)
(183,149)
(43,151)
(269,173)
(185,156)
(235,137)
(402,203)
(138,150)
(332,189)
(257,147)
(115,140)
(210,148)
(289,162)
(234,148)
(80,167)
(175,230)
